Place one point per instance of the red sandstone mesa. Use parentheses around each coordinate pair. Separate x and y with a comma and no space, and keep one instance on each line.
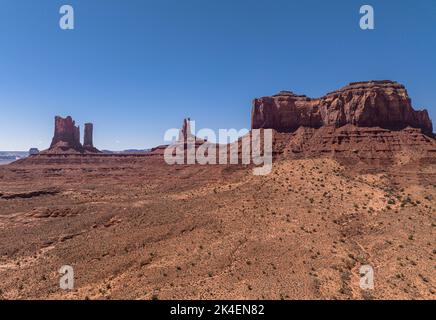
(383,104)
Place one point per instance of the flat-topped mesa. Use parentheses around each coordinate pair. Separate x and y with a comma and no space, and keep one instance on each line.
(66,135)
(384,104)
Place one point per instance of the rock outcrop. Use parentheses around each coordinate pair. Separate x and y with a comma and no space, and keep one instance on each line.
(88,143)
(66,138)
(87,140)
(66,135)
(351,144)
(33,151)
(383,104)
(186,135)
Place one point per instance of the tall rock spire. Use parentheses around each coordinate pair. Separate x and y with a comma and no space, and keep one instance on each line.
(87,140)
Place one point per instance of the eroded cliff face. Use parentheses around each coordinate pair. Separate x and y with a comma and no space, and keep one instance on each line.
(383,104)
(66,135)
(352,145)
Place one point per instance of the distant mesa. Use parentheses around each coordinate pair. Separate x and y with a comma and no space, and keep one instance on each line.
(383,104)
(66,138)
(33,151)
(7,157)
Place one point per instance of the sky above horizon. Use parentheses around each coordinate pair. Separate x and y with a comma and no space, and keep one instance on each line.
(136,68)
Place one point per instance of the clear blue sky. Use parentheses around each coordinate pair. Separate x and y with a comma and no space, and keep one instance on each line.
(138,67)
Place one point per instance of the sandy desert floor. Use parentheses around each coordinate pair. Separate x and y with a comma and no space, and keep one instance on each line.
(140,229)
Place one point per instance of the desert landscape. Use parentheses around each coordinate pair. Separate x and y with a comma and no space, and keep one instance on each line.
(353,183)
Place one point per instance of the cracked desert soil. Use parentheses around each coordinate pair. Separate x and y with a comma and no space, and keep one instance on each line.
(140,229)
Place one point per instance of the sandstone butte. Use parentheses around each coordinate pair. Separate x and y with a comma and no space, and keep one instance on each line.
(66,137)
(383,104)
(372,121)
